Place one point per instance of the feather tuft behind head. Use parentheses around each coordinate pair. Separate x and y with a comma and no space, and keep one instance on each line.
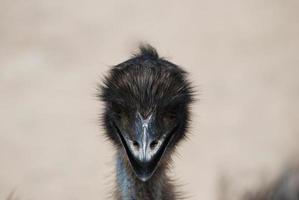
(147,51)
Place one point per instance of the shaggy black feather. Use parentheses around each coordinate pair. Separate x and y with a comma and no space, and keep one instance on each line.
(149,85)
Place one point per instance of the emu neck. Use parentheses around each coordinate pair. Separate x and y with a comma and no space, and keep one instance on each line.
(129,187)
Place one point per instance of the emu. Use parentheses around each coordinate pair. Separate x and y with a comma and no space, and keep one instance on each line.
(147,103)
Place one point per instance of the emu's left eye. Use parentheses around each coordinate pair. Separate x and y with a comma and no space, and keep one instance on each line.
(169,117)
(117,109)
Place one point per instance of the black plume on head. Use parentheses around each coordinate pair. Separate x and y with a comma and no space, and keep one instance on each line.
(146,84)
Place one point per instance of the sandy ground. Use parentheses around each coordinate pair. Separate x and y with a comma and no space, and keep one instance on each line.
(242,56)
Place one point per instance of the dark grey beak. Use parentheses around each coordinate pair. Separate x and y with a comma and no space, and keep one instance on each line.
(146,149)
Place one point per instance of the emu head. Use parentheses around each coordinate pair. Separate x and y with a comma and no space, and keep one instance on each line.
(147,102)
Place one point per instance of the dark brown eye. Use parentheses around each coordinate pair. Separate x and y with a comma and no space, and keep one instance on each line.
(170,117)
(117,109)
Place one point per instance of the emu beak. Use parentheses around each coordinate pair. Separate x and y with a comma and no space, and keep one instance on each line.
(146,151)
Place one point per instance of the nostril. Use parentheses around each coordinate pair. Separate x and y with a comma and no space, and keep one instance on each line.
(153,144)
(135,144)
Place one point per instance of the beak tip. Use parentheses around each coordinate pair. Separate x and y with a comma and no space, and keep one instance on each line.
(144,177)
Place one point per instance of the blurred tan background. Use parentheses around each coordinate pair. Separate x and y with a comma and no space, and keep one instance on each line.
(242,56)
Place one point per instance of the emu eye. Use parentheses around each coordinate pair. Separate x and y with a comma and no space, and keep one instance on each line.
(169,117)
(117,109)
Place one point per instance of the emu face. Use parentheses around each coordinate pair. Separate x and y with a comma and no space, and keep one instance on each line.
(147,109)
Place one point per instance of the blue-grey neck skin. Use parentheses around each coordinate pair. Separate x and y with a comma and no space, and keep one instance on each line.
(124,182)
(129,187)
